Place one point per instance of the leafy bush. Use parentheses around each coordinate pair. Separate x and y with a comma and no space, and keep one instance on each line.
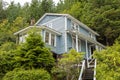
(6,62)
(67,68)
(108,63)
(34,54)
(18,74)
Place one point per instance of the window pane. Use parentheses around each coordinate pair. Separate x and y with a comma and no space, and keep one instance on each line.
(47,38)
(20,39)
(52,39)
(74,43)
(79,45)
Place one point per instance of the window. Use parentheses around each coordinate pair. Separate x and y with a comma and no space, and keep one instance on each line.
(92,36)
(49,25)
(74,43)
(52,39)
(47,38)
(79,45)
(20,39)
(75,26)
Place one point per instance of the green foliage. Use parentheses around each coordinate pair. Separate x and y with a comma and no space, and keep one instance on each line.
(108,63)
(29,55)
(38,74)
(13,11)
(75,10)
(5,33)
(34,54)
(7,29)
(6,57)
(6,62)
(67,66)
(100,15)
(2,11)
(8,46)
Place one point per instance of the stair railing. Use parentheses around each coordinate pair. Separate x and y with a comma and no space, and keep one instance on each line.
(82,70)
(88,63)
(95,64)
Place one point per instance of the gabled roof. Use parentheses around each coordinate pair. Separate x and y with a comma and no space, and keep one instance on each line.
(70,17)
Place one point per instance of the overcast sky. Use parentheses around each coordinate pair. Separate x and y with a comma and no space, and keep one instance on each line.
(23,1)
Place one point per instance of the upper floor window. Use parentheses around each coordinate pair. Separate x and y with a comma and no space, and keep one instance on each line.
(92,36)
(79,45)
(74,43)
(75,26)
(49,25)
(47,37)
(50,39)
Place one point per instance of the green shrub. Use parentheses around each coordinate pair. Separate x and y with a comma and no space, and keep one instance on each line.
(108,63)
(6,62)
(65,68)
(39,74)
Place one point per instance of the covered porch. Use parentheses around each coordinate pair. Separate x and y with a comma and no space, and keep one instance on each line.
(83,43)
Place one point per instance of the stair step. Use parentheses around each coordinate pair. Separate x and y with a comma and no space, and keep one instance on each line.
(88,74)
(87,79)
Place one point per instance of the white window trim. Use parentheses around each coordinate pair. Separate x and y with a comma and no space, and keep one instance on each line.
(44,35)
(50,38)
(65,34)
(77,42)
(49,25)
(74,43)
(79,45)
(74,24)
(55,41)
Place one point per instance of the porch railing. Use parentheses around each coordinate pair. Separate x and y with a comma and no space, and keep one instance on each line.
(95,69)
(82,69)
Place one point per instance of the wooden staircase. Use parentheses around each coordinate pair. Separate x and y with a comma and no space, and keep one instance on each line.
(88,72)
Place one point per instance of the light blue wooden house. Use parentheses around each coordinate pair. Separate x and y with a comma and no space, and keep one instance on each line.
(62,32)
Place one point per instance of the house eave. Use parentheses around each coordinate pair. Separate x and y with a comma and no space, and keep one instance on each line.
(82,36)
(49,29)
(25,30)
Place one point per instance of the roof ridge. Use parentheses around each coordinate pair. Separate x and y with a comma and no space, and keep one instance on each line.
(71,17)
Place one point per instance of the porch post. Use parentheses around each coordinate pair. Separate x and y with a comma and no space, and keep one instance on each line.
(96,46)
(17,39)
(65,34)
(86,49)
(90,51)
(44,33)
(77,42)
(87,53)
(49,38)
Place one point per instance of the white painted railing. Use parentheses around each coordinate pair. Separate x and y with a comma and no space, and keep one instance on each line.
(82,69)
(95,69)
(94,66)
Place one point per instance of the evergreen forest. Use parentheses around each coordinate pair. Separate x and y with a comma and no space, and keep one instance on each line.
(33,62)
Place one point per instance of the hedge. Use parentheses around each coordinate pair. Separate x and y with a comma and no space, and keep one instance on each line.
(39,74)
